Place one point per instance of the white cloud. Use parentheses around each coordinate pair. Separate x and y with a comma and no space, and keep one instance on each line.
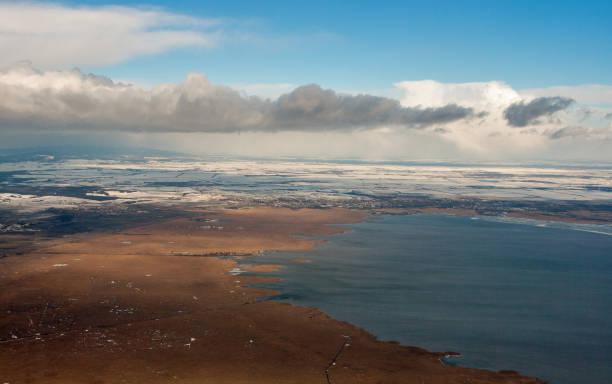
(54,36)
(492,134)
(265,90)
(482,96)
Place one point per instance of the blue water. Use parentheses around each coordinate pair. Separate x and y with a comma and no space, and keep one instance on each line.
(506,295)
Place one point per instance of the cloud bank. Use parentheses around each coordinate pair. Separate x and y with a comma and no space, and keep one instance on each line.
(64,100)
(56,36)
(424,119)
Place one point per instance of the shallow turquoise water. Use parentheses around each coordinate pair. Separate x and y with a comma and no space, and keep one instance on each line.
(507,295)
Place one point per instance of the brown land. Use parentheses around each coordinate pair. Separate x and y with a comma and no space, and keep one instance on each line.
(301,260)
(430,210)
(263,268)
(154,304)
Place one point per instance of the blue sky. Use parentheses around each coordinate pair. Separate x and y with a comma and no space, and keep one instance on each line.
(371,45)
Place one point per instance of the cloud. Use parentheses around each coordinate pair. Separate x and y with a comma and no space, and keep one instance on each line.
(578,131)
(571,131)
(479,95)
(265,90)
(434,120)
(312,106)
(488,98)
(54,36)
(64,100)
(492,132)
(522,114)
(590,94)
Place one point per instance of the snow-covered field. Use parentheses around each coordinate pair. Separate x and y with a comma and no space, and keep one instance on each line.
(169,180)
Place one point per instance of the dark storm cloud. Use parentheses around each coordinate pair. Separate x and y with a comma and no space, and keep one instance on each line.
(313,107)
(522,114)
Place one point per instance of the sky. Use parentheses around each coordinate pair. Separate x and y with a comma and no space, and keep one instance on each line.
(407,80)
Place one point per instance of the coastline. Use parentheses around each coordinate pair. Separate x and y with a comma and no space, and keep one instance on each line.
(168,291)
(583,217)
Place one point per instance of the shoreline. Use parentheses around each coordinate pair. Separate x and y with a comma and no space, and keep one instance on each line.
(539,216)
(143,298)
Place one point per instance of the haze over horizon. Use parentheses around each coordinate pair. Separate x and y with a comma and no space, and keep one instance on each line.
(508,81)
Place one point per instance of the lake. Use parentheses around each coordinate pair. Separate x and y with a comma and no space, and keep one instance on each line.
(507,294)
